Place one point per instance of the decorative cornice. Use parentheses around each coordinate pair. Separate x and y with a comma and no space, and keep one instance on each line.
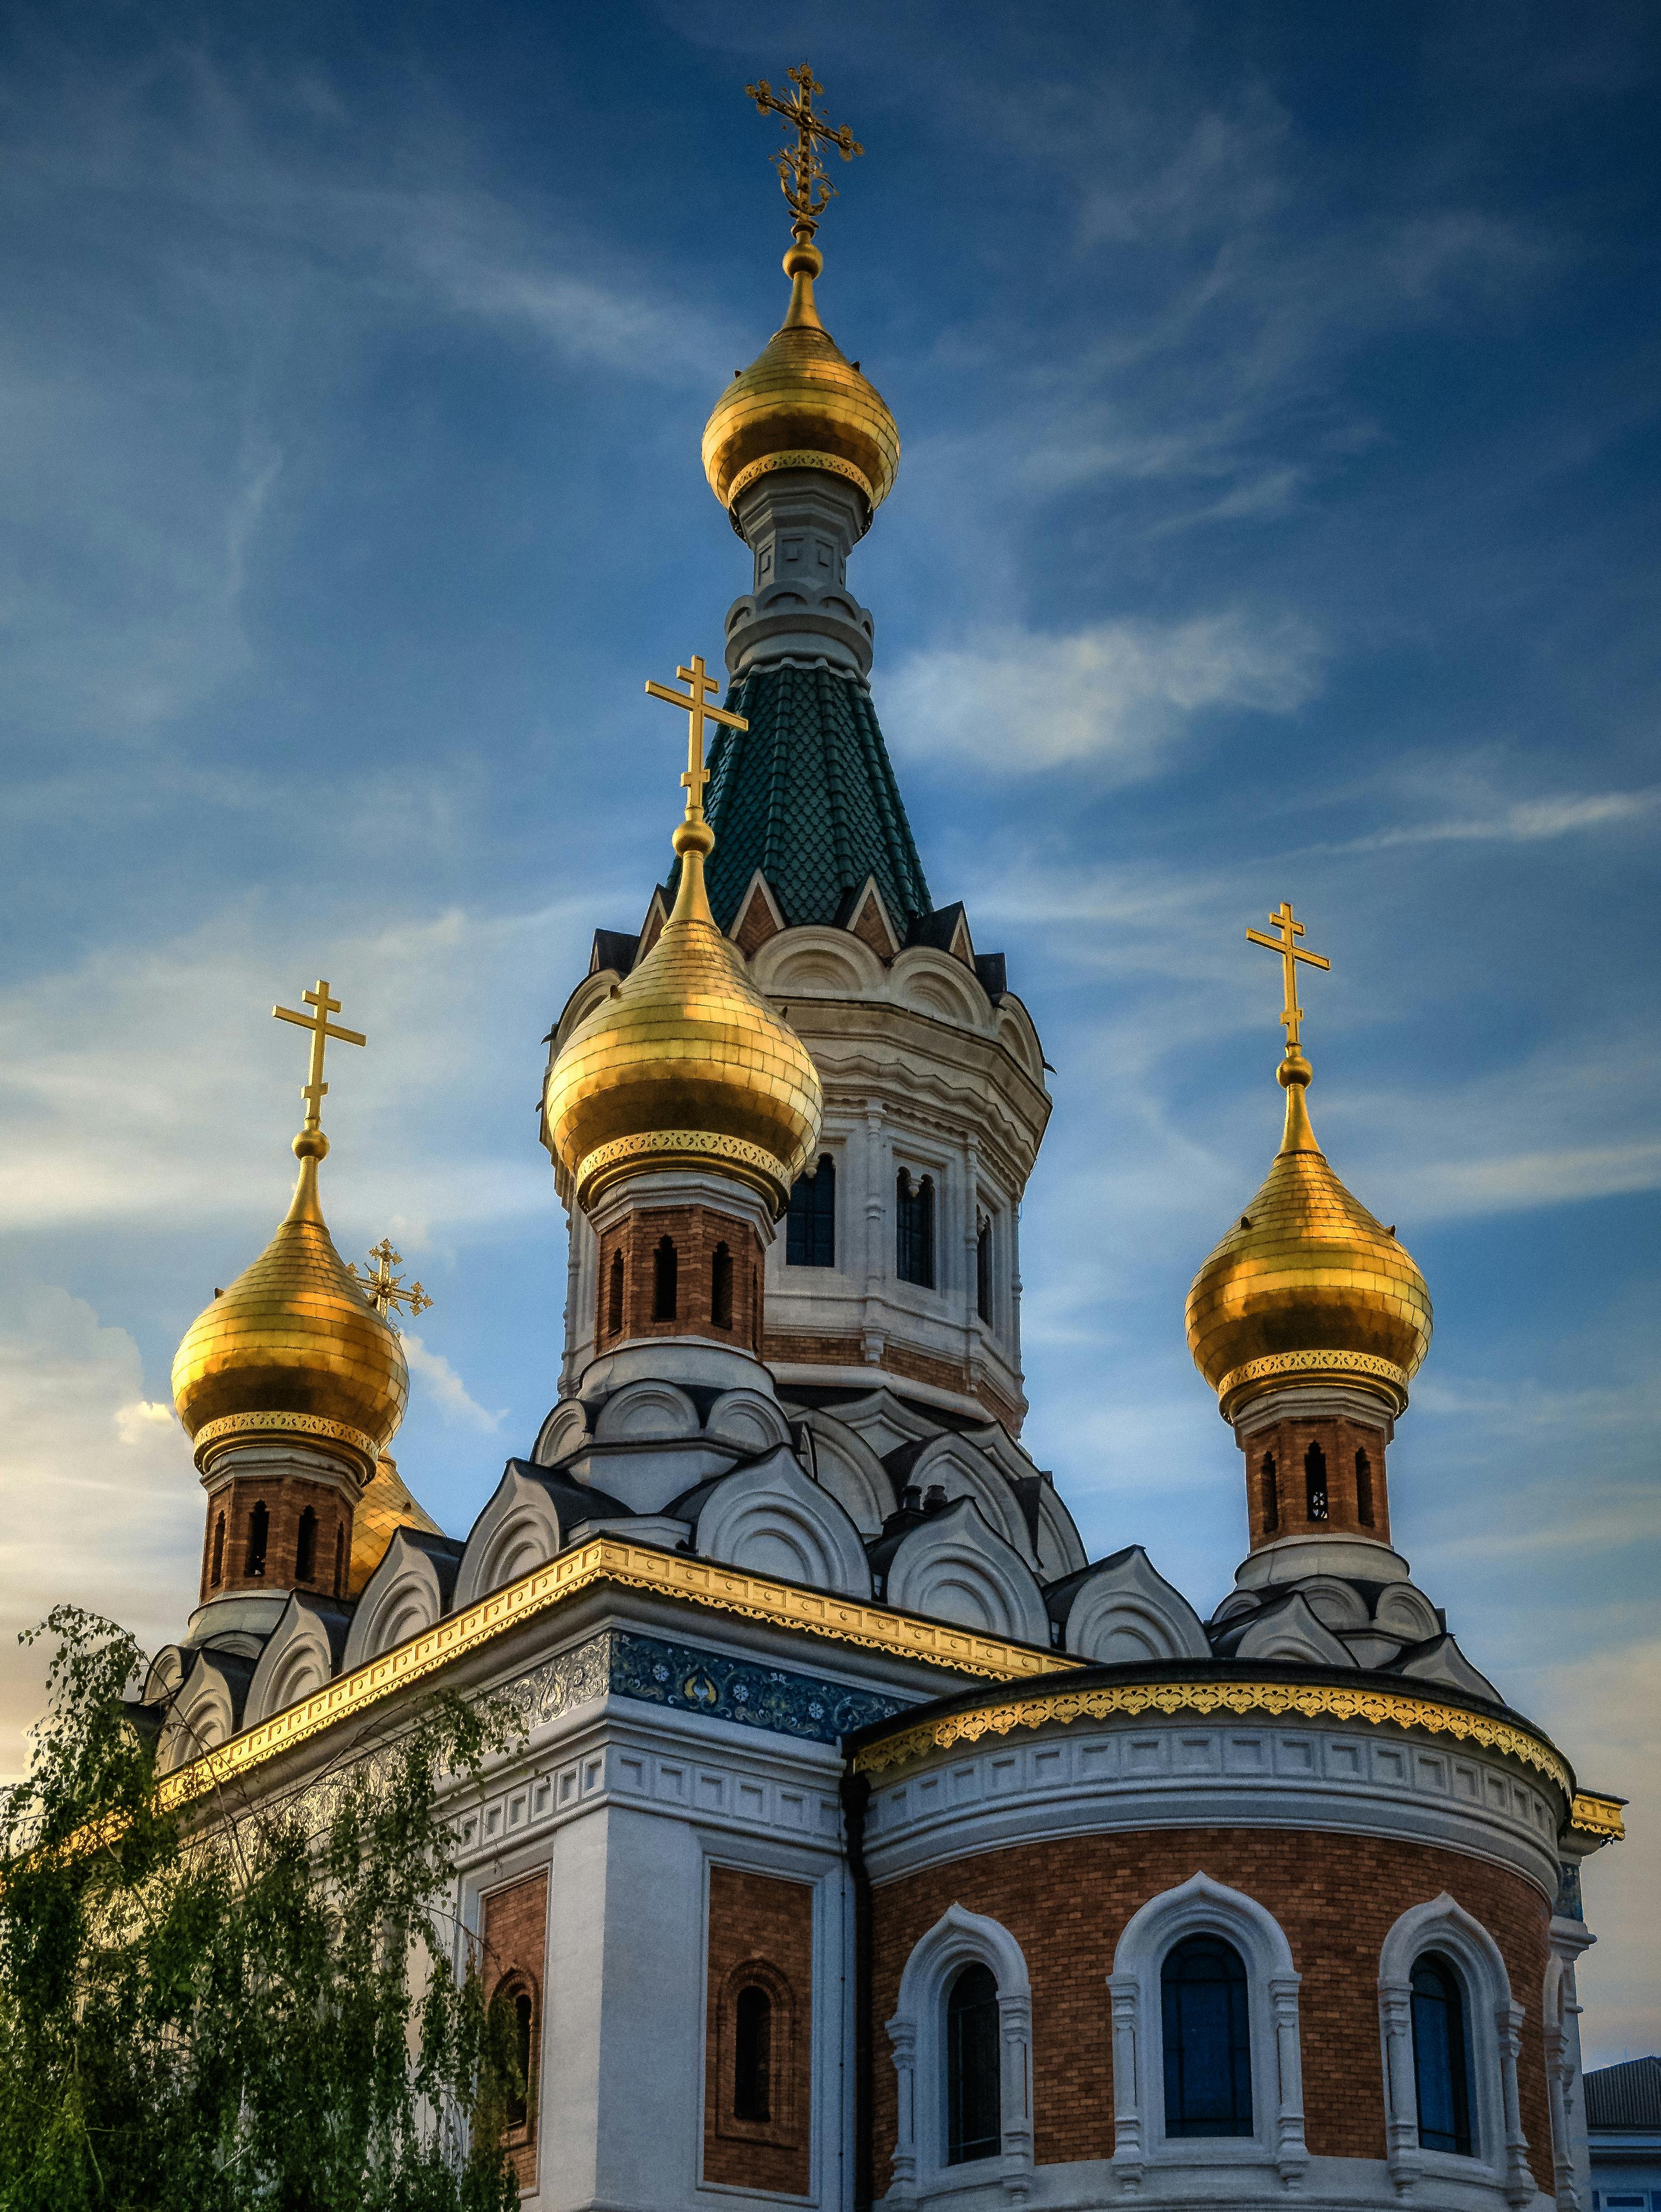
(1598,1816)
(1364,1367)
(1315,1700)
(607,1561)
(833,464)
(234,1428)
(754,1162)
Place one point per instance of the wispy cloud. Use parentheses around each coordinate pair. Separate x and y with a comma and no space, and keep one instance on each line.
(447,1388)
(1526,821)
(1119,695)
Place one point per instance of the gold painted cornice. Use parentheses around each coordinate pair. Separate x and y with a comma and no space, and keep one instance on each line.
(624,1566)
(1315,1700)
(1598,1817)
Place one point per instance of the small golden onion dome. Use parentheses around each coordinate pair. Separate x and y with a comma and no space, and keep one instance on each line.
(683,1065)
(801,405)
(292,1351)
(386,1507)
(1307,1286)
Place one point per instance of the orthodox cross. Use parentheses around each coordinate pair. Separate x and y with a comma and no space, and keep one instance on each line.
(383,1288)
(695,700)
(801,173)
(1291,953)
(322,1028)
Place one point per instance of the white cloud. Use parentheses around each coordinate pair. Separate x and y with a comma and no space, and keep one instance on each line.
(1455,1190)
(1118,695)
(1524,823)
(100,1504)
(447,1388)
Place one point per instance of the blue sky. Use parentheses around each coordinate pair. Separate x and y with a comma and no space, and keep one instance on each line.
(1277,517)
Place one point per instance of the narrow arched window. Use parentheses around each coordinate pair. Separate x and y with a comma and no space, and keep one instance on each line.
(305,1546)
(216,1573)
(914,1232)
(1314,1483)
(974,2122)
(752,2055)
(614,1297)
(1363,1490)
(720,1287)
(259,1531)
(810,1227)
(514,2024)
(519,2104)
(340,1558)
(983,1268)
(665,1274)
(1441,2057)
(1208,2042)
(1270,1495)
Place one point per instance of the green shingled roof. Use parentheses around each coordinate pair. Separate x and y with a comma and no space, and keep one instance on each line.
(807,795)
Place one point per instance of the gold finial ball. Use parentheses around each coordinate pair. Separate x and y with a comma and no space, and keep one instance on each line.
(1307,1285)
(683,1065)
(693,837)
(311,1144)
(293,1351)
(800,405)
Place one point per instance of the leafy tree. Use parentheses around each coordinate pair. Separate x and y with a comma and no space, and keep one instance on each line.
(228,2004)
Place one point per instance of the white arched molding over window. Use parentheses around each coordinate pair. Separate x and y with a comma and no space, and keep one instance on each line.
(918,2033)
(1204,1907)
(1494,2025)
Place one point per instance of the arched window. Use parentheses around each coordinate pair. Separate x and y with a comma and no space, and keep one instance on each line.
(810,1229)
(1208,2042)
(1314,1483)
(665,1272)
(216,1573)
(614,1297)
(720,1287)
(752,2055)
(1441,2056)
(1363,1490)
(1270,1495)
(340,1558)
(513,2018)
(974,2114)
(983,1268)
(914,1237)
(259,1530)
(305,1546)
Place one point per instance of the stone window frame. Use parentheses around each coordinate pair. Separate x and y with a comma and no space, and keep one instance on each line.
(1201,1906)
(1499,2151)
(784,2128)
(918,2033)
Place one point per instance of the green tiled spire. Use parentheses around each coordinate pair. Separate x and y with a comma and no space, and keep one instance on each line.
(807,795)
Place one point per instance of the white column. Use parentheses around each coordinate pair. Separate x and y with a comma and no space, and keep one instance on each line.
(1014,2016)
(902,2034)
(1291,2152)
(1129,2147)
(1401,2093)
(1518,2180)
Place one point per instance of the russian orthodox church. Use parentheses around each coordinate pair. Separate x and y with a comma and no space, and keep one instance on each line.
(868,1843)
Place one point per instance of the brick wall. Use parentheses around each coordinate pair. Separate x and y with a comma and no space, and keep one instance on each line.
(760,1930)
(1067,1901)
(1339,1441)
(696,1232)
(515,1952)
(824,1348)
(285,1499)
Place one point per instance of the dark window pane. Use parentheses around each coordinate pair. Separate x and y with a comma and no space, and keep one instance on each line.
(752,2073)
(1314,1476)
(614,1300)
(259,1529)
(665,1271)
(914,1230)
(1208,2044)
(983,1271)
(973,2119)
(305,1546)
(1363,1490)
(720,1287)
(1442,2067)
(810,1226)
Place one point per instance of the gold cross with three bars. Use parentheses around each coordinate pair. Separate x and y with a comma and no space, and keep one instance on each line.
(322,1027)
(1291,953)
(382,1288)
(801,173)
(698,711)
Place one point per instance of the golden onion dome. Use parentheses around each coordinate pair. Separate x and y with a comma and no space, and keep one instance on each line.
(683,1065)
(801,405)
(292,1350)
(1307,1286)
(385,1506)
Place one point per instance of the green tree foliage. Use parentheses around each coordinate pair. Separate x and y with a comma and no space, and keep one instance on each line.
(239,2004)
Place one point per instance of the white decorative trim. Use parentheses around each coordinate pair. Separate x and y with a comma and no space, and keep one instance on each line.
(1201,1906)
(1499,2146)
(958,1939)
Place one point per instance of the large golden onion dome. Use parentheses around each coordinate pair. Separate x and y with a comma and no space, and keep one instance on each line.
(293,1349)
(1308,1285)
(683,1065)
(801,405)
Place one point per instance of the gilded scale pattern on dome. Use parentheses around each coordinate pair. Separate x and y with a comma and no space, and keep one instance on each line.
(685,1062)
(1308,1283)
(293,1348)
(386,1507)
